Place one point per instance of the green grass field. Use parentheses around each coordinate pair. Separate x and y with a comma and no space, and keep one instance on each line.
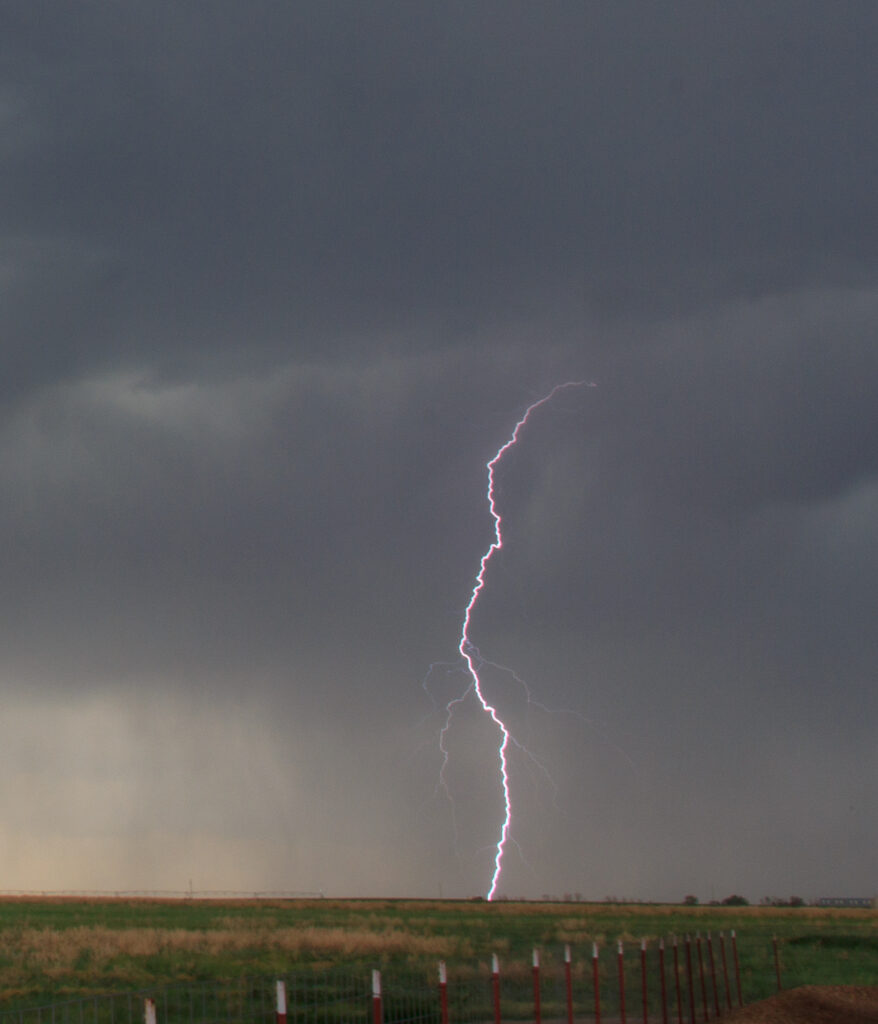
(55,949)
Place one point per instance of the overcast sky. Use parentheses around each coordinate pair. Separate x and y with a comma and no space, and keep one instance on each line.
(278,279)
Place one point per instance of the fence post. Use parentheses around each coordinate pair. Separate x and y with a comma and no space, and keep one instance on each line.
(280,1003)
(737,967)
(377,1014)
(443,992)
(568,984)
(776,962)
(643,979)
(677,982)
(690,980)
(495,986)
(597,982)
(722,948)
(621,969)
(701,976)
(711,961)
(149,1011)
(536,972)
(662,981)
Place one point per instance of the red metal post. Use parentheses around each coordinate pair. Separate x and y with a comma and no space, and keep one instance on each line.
(568,984)
(690,980)
(495,986)
(662,982)
(722,947)
(536,971)
(737,967)
(377,1014)
(643,980)
(712,962)
(621,968)
(701,976)
(776,962)
(677,982)
(443,992)
(597,982)
(281,1003)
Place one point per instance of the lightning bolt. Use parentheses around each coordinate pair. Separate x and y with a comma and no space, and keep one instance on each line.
(470,653)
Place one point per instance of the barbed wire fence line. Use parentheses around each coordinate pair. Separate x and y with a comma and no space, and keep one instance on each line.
(692,980)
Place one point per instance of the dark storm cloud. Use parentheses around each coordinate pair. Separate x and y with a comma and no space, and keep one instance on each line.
(287,173)
(277,281)
(223,178)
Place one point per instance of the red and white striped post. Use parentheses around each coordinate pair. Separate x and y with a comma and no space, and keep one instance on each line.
(737,967)
(701,976)
(595,972)
(689,980)
(620,961)
(538,1019)
(643,980)
(443,992)
(280,1003)
(568,984)
(662,982)
(377,1013)
(677,982)
(149,1011)
(495,986)
(711,961)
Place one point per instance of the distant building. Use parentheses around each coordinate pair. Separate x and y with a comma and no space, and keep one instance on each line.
(846,901)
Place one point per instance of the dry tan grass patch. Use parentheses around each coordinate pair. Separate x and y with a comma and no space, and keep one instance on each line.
(49,948)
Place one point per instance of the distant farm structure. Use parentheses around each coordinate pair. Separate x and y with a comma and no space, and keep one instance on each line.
(847,901)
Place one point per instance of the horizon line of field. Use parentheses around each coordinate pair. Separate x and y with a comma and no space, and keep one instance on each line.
(161,894)
(294,894)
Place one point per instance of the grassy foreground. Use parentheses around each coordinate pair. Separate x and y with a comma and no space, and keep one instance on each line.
(55,949)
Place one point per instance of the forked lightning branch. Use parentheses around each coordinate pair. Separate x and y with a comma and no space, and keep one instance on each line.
(470,652)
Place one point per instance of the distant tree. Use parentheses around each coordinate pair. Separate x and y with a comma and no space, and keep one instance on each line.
(690,901)
(736,901)
(796,901)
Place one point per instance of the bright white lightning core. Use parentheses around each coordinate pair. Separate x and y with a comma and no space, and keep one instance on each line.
(469,652)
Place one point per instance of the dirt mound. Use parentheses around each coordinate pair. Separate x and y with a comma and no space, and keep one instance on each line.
(813,1004)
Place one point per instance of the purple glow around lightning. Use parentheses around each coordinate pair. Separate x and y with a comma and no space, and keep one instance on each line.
(468,650)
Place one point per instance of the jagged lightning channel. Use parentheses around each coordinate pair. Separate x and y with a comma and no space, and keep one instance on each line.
(470,653)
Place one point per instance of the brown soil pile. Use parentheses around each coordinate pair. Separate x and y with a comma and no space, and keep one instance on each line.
(813,1004)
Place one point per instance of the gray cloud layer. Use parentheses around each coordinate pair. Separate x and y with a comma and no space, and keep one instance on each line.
(277,281)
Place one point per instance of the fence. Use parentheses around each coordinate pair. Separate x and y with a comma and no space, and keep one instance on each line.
(690,980)
(312,997)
